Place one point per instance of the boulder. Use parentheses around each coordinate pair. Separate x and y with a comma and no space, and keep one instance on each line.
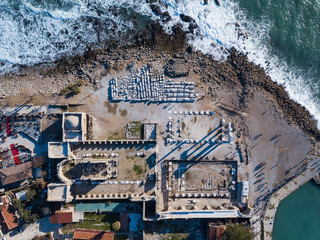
(176,68)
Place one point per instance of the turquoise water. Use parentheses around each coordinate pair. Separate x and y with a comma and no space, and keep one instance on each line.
(294,33)
(103,207)
(290,33)
(298,215)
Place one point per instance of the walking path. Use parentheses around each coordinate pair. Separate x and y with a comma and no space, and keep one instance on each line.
(22,139)
(268,220)
(40,227)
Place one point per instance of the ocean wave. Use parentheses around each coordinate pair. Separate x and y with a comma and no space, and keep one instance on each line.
(33,32)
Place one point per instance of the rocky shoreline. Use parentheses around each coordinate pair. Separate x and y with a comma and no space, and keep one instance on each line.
(237,74)
(317,179)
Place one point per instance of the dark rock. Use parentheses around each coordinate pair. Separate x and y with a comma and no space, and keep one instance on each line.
(217,2)
(189,49)
(166,17)
(186,18)
(249,75)
(176,68)
(156,9)
(192,27)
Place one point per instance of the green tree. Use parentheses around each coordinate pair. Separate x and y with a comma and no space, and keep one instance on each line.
(30,195)
(17,204)
(238,231)
(34,217)
(25,215)
(76,90)
(116,226)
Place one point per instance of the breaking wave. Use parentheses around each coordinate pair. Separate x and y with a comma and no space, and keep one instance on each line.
(34,31)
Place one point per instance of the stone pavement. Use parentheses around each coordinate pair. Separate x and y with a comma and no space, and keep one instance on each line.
(40,227)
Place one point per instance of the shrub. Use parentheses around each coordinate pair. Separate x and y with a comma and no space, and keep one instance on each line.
(30,195)
(116,226)
(72,89)
(137,169)
(238,231)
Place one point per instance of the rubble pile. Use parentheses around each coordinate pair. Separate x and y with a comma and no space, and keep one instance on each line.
(146,85)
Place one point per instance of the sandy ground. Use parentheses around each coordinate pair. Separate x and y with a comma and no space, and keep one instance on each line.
(277,149)
(126,158)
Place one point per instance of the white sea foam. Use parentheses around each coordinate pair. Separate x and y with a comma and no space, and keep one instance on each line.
(31,34)
(218,30)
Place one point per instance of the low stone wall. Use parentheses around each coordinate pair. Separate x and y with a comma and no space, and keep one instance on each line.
(119,142)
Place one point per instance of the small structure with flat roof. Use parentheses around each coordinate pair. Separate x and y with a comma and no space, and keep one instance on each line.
(58,150)
(74,127)
(59,192)
(245,188)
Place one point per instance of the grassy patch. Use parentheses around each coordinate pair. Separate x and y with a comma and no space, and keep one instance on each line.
(68,228)
(67,205)
(111,108)
(209,130)
(102,217)
(97,225)
(117,135)
(100,221)
(134,130)
(123,112)
(137,169)
(67,166)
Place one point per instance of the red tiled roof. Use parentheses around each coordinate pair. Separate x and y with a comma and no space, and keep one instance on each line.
(61,217)
(8,220)
(85,234)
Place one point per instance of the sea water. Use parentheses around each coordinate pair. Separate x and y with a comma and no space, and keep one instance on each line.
(298,215)
(281,36)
